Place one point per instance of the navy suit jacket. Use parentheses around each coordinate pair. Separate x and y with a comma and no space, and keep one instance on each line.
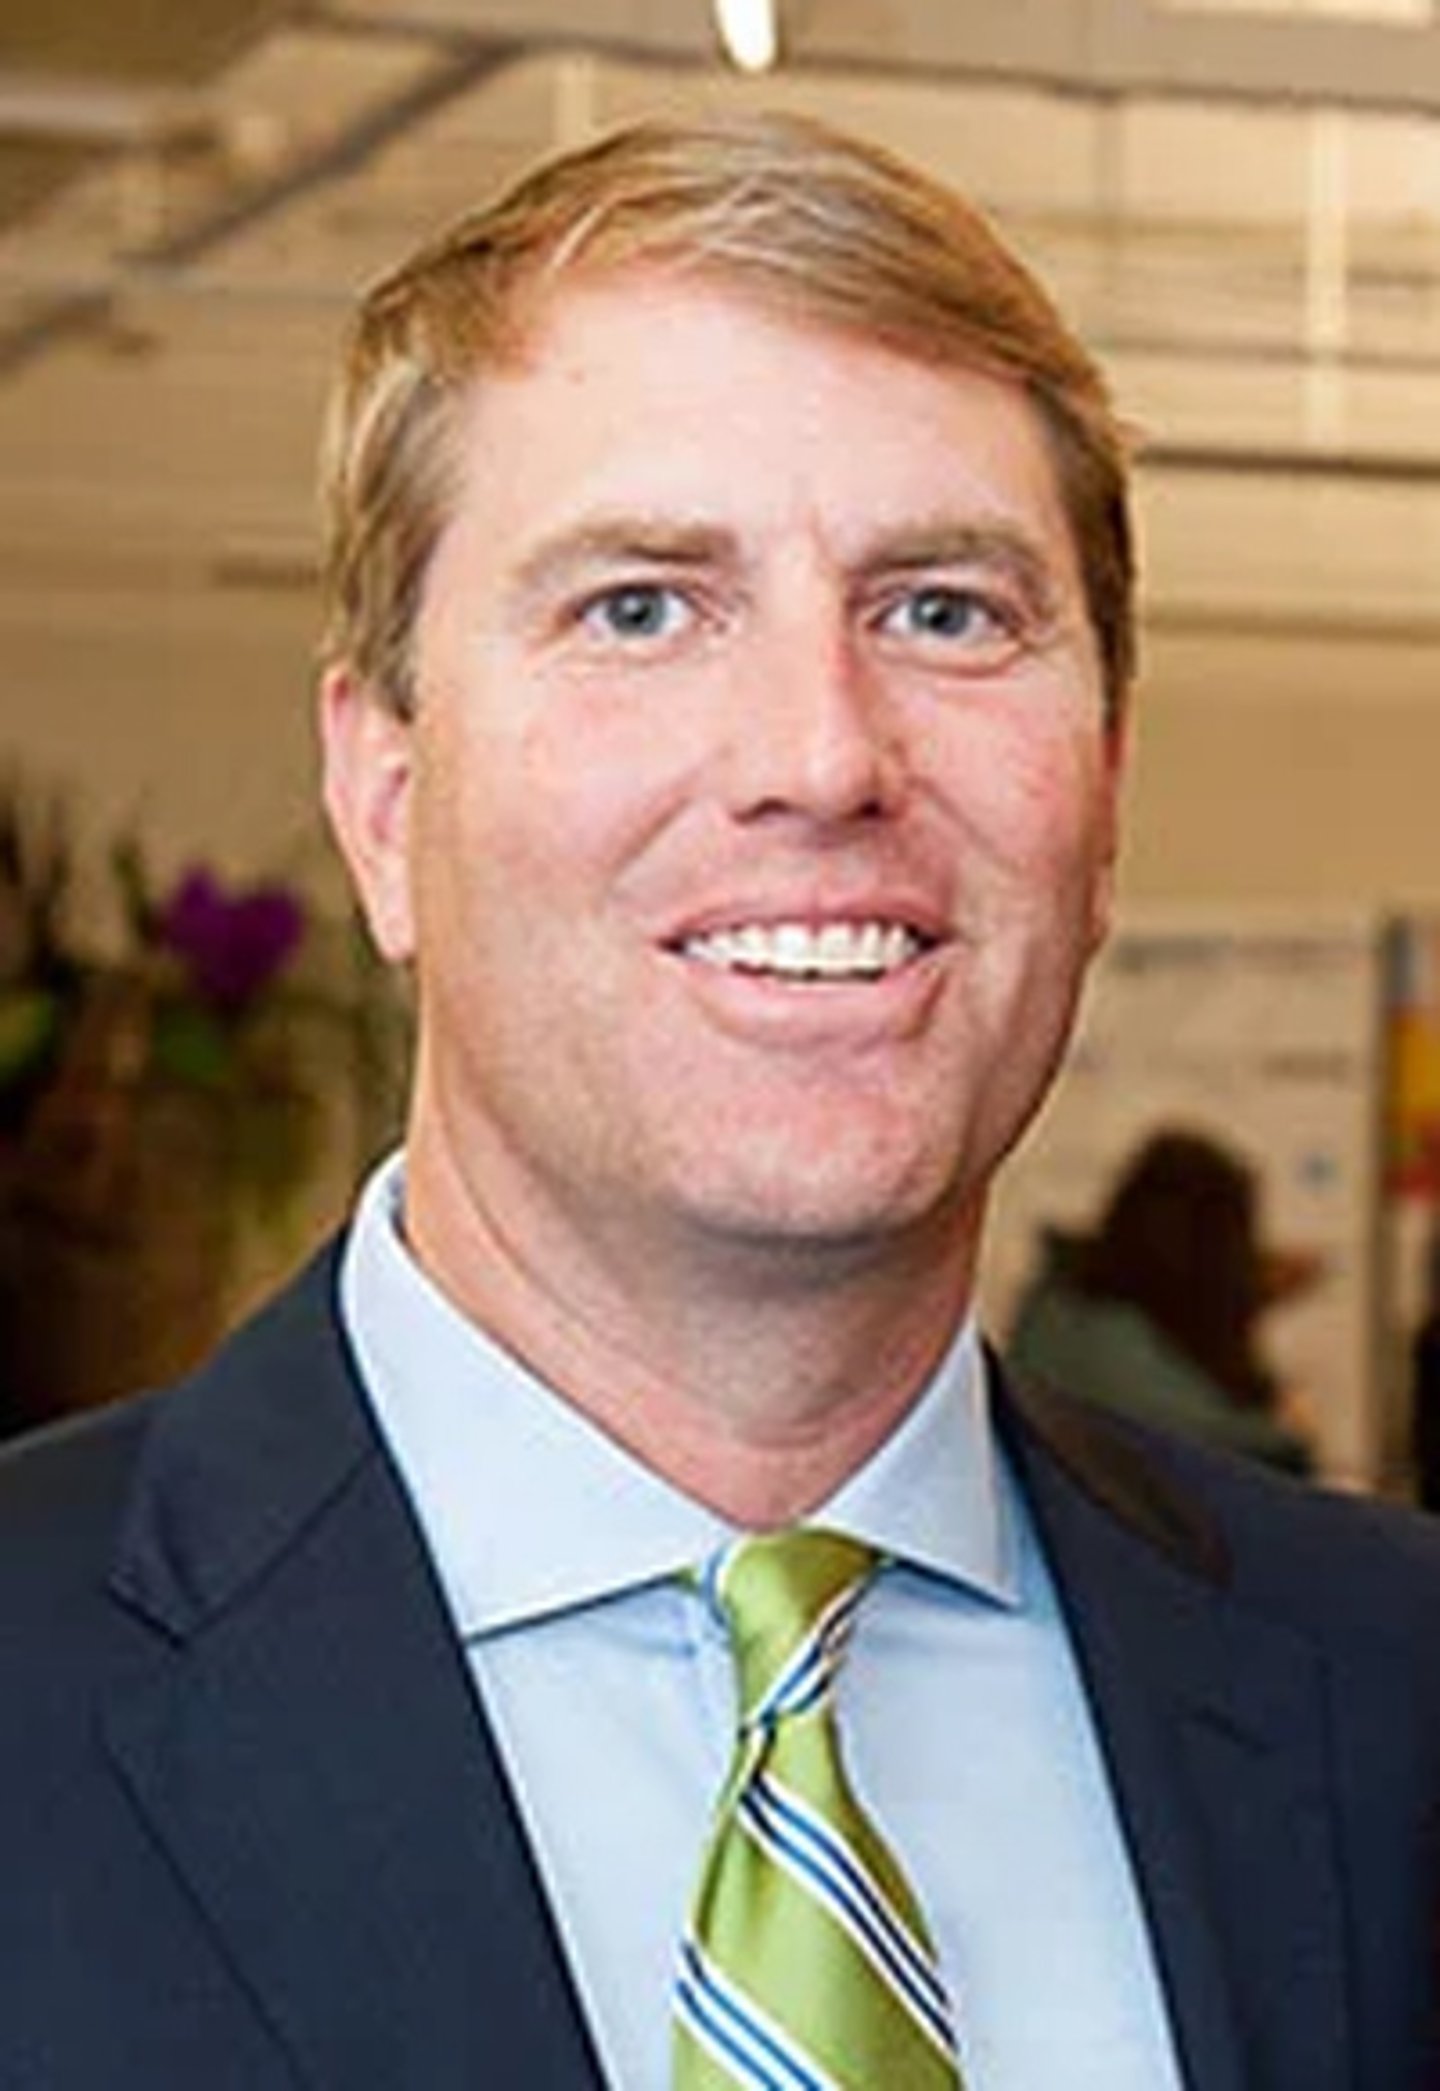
(254,1833)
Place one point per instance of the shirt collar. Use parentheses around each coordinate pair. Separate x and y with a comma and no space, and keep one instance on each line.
(529,1508)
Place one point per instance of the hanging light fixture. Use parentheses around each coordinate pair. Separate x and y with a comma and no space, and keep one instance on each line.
(750,33)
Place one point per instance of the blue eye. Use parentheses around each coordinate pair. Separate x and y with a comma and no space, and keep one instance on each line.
(944,613)
(636,610)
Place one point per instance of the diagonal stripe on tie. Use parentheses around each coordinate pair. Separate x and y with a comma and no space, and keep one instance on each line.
(808,1965)
(740,2038)
(831,1870)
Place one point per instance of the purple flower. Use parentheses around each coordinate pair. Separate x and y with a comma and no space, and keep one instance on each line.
(231,943)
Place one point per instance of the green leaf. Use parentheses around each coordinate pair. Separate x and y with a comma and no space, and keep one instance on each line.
(190,1045)
(29,1024)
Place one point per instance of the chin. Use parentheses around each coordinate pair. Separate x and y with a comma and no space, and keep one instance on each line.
(796,1206)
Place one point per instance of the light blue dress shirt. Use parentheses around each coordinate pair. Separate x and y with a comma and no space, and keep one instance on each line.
(609,1686)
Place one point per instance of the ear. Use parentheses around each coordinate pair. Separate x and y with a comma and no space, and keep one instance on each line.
(1114,768)
(367,756)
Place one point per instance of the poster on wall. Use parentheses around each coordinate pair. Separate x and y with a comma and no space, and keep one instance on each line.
(1413,1023)
(1267,1037)
(1410,1276)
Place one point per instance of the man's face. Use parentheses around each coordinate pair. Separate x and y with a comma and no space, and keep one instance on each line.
(757,820)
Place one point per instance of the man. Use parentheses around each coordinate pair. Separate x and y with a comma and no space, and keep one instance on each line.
(724,714)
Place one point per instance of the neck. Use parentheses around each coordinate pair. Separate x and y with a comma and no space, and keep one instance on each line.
(755,1378)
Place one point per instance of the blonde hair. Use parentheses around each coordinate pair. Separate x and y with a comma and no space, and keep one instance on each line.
(810,223)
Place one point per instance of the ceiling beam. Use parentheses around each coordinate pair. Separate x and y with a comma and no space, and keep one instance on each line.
(72,109)
(456,72)
(1105,49)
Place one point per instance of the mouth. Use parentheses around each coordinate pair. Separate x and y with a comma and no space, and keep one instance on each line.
(869,949)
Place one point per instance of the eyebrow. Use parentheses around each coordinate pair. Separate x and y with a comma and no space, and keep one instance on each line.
(993,544)
(607,539)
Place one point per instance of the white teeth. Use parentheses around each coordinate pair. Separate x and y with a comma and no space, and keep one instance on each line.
(794,950)
(835,951)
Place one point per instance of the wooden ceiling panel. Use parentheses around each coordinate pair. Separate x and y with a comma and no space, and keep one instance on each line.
(171,41)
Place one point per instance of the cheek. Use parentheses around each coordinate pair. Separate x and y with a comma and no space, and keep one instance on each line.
(1034,803)
(582,789)
(524,828)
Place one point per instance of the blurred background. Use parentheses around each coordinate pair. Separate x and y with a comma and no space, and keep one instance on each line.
(1240,209)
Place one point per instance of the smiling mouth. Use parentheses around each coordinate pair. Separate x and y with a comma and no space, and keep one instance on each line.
(867,950)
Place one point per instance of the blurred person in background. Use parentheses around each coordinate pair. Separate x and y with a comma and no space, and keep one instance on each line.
(1157,1312)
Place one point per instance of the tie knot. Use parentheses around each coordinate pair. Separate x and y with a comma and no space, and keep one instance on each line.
(788,1600)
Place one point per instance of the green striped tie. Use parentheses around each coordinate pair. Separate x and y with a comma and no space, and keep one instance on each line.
(807,1965)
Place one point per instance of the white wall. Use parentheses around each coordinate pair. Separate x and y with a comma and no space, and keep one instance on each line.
(1289,768)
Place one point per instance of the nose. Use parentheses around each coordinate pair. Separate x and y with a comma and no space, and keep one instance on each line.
(813,731)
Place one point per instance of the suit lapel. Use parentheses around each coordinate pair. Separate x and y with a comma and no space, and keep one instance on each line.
(1213,1723)
(304,1742)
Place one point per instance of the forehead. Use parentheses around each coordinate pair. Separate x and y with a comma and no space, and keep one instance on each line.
(669,390)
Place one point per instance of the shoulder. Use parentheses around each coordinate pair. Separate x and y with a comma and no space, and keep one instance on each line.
(66,1490)
(62,1490)
(1336,1566)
